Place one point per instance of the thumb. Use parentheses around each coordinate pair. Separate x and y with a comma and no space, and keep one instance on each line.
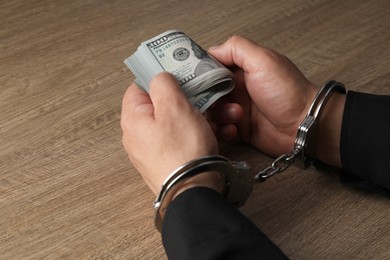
(166,94)
(239,51)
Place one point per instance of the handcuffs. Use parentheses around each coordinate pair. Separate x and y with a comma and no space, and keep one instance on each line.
(238,175)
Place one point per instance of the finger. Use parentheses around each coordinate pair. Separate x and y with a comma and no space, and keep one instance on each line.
(136,106)
(227,133)
(226,113)
(137,100)
(240,51)
(166,94)
(135,103)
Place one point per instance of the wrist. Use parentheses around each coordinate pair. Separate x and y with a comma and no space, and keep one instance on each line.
(329,129)
(236,184)
(320,130)
(212,179)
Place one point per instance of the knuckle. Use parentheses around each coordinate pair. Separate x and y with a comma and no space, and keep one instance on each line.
(236,39)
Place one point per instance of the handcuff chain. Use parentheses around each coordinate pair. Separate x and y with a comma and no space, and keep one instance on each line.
(279,165)
(306,131)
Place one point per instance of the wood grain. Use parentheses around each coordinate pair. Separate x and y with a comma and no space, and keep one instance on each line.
(67,190)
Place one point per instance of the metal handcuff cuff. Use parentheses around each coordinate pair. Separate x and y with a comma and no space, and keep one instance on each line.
(238,175)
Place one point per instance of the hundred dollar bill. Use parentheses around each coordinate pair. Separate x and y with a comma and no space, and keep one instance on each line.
(202,78)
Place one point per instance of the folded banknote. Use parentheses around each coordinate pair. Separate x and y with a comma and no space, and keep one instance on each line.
(202,78)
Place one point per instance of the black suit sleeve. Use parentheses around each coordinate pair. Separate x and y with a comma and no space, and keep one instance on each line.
(201,224)
(365,142)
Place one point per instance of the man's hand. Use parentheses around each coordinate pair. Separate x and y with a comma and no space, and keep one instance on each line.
(163,131)
(270,100)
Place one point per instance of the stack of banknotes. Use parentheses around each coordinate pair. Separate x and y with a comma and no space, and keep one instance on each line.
(202,78)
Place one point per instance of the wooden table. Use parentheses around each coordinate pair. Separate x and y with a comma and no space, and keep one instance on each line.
(67,189)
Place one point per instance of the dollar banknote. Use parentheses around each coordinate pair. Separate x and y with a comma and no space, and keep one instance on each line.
(202,78)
